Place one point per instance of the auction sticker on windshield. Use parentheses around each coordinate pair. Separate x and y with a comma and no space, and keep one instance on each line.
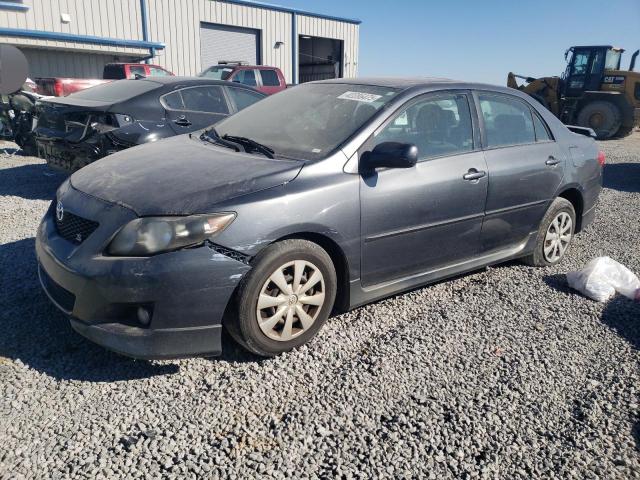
(360,97)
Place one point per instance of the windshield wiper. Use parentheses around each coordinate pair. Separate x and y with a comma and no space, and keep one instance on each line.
(212,136)
(250,145)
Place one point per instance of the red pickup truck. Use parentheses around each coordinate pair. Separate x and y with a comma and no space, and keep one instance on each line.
(265,79)
(61,87)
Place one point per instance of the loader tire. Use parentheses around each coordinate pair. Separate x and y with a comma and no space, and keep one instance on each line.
(603,117)
(623,132)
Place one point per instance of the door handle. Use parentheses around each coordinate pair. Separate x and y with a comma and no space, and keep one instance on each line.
(474,174)
(182,121)
(552,161)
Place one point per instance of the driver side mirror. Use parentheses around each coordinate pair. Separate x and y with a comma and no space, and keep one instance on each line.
(390,155)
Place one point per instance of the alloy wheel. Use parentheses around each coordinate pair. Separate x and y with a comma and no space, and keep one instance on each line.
(558,237)
(290,300)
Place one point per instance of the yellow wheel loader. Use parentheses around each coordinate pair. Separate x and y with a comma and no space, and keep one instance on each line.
(593,92)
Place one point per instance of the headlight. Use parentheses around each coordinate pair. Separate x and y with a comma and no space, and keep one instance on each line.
(150,235)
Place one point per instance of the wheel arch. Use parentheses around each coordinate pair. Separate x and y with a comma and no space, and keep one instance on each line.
(339,259)
(574,195)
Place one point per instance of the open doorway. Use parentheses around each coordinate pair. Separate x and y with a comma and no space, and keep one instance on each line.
(319,58)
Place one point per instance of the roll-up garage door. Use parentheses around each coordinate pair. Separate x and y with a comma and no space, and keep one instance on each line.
(222,42)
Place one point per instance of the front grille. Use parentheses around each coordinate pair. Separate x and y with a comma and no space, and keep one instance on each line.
(60,295)
(74,228)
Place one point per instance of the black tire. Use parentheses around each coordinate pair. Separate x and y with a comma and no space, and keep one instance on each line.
(604,118)
(242,320)
(538,258)
(624,131)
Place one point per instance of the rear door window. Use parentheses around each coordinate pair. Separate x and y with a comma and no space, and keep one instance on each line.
(208,99)
(507,120)
(269,78)
(246,77)
(244,97)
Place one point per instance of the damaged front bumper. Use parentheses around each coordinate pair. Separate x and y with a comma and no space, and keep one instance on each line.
(165,306)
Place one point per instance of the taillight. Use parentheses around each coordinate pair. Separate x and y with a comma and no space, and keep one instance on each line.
(57,88)
(602,159)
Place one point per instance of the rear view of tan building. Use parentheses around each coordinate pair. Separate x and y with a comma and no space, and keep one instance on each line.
(76,38)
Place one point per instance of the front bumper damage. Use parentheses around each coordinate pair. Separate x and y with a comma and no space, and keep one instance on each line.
(185,293)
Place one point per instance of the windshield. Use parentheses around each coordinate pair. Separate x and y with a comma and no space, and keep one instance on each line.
(308,121)
(612,61)
(217,73)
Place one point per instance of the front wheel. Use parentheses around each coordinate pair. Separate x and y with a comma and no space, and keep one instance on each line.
(285,299)
(554,234)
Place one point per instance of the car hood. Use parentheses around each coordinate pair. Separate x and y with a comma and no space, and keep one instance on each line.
(180,176)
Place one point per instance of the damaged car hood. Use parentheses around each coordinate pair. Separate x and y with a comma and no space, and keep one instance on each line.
(180,176)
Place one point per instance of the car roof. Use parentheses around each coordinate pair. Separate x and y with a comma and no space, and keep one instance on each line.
(170,81)
(406,83)
(241,65)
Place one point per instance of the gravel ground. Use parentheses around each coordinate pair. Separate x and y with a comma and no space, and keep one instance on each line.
(504,373)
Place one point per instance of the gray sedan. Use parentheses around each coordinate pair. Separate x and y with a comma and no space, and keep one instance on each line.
(316,200)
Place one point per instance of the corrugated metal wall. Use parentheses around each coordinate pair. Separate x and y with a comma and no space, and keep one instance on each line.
(175,23)
(56,63)
(101,18)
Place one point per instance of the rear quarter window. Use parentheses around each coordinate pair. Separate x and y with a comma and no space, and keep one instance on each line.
(173,101)
(542,130)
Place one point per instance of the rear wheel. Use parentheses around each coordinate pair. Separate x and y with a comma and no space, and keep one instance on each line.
(554,234)
(285,299)
(603,117)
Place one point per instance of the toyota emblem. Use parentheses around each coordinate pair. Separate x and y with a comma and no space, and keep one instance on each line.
(59,211)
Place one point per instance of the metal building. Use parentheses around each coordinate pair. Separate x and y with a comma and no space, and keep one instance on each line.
(75,38)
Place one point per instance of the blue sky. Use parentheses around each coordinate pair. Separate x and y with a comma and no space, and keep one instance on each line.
(480,40)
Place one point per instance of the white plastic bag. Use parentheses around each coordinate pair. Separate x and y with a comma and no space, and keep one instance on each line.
(602,277)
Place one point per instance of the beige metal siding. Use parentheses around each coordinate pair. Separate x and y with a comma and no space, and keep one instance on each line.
(347,32)
(177,24)
(58,63)
(101,18)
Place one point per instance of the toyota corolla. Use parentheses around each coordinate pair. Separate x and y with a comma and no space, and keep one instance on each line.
(324,197)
